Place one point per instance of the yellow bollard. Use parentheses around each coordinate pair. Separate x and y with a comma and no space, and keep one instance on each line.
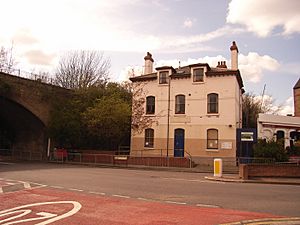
(218,168)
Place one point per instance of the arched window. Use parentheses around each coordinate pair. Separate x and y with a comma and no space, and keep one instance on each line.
(180,104)
(149,138)
(212,103)
(212,139)
(280,135)
(150,105)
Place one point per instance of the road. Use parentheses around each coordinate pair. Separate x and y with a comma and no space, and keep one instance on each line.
(180,188)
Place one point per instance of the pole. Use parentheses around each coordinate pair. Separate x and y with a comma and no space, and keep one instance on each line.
(48,148)
(168,122)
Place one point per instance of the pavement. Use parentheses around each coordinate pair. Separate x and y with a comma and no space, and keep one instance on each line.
(261,180)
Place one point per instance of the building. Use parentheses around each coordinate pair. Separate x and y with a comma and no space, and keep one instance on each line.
(191,110)
(297,99)
(275,127)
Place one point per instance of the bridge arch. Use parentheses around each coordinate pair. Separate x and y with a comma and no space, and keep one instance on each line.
(22,132)
(25,107)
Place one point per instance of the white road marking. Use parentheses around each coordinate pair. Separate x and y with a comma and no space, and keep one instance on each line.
(74,189)
(43,215)
(58,187)
(46,214)
(208,206)
(146,199)
(97,193)
(178,203)
(121,196)
(7,163)
(27,185)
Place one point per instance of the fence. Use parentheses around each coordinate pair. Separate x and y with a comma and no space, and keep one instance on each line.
(20,154)
(43,78)
(120,158)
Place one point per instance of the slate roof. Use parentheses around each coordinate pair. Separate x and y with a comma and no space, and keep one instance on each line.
(185,72)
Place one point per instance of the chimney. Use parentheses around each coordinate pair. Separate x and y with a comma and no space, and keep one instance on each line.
(234,56)
(148,63)
(222,64)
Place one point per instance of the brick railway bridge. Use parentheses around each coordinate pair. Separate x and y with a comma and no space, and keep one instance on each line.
(25,108)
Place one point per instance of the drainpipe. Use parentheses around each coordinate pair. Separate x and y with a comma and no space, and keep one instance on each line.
(168,123)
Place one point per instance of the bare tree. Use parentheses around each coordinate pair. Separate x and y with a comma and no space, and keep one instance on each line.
(7,60)
(82,69)
(253,105)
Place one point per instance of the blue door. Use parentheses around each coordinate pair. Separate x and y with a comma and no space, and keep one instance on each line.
(179,143)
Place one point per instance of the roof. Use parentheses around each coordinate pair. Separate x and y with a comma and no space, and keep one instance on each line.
(297,85)
(185,72)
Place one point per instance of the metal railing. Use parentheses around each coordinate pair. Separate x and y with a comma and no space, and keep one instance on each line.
(43,78)
(156,158)
(20,154)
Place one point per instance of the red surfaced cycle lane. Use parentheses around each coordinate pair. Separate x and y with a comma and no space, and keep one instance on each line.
(51,206)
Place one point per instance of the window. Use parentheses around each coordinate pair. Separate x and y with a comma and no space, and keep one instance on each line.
(212,139)
(280,135)
(149,138)
(150,105)
(163,77)
(180,104)
(198,75)
(212,103)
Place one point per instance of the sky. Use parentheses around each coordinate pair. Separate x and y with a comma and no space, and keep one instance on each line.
(267,33)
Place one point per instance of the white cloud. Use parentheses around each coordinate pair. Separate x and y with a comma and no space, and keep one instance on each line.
(287,107)
(39,57)
(283,109)
(130,71)
(188,23)
(253,65)
(262,17)
(291,68)
(212,61)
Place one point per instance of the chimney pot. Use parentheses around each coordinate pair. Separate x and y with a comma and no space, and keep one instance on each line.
(234,56)
(148,63)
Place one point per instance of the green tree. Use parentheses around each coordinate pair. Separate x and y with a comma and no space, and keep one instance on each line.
(108,121)
(95,117)
(270,149)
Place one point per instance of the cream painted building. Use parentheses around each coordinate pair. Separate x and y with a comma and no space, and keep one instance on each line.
(274,127)
(194,109)
(282,127)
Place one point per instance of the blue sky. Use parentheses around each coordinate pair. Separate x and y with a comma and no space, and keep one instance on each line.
(267,33)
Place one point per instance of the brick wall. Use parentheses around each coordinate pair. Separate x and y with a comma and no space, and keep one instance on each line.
(283,170)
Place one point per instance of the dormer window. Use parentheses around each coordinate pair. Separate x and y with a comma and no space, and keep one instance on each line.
(163,77)
(198,75)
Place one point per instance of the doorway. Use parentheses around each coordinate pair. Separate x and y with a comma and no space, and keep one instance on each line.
(179,143)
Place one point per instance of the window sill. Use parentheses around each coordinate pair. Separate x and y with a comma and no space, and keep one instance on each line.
(148,148)
(179,115)
(163,84)
(150,115)
(212,114)
(198,82)
(212,150)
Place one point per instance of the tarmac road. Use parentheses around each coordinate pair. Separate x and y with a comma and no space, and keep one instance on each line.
(175,188)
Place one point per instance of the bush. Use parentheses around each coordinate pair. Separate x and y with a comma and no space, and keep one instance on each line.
(271,149)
